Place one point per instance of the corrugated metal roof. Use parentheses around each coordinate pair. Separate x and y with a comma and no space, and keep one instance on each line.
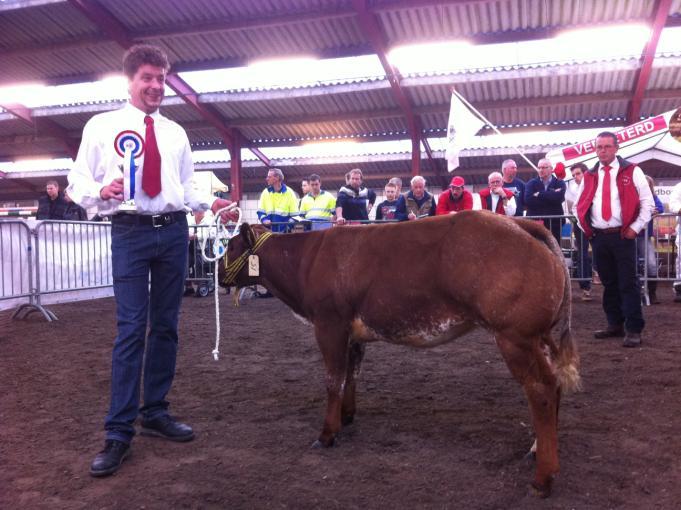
(66,43)
(459,20)
(56,21)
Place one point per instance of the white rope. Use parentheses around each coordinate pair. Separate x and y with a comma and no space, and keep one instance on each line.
(219,251)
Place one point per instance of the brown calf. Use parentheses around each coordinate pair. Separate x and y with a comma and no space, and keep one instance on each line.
(455,273)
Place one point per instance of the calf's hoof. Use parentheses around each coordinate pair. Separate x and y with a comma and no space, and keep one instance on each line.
(542,490)
(319,443)
(348,419)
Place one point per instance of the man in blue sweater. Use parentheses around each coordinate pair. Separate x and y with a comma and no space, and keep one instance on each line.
(354,201)
(544,196)
(509,170)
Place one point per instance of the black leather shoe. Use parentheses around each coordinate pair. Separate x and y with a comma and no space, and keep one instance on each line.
(110,458)
(632,340)
(166,427)
(610,332)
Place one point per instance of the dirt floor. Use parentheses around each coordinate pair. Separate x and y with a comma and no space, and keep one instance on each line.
(441,428)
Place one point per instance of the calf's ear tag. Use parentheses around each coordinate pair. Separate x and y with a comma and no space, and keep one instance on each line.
(253,265)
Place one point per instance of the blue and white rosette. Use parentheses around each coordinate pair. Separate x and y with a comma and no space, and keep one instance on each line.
(130,146)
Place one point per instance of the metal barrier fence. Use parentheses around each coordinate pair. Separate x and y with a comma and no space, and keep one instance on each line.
(72,255)
(54,258)
(17,263)
(657,250)
(199,272)
(58,257)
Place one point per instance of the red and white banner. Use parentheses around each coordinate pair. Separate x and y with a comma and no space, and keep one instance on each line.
(658,137)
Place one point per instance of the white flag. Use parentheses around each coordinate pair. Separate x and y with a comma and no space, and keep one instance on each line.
(461,129)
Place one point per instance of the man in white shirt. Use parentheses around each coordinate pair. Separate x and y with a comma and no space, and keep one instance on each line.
(584,264)
(147,243)
(614,204)
(675,207)
(496,198)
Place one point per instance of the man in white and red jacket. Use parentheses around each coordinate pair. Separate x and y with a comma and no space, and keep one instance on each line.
(614,203)
(497,198)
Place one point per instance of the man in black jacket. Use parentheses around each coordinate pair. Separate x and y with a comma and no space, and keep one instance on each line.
(52,206)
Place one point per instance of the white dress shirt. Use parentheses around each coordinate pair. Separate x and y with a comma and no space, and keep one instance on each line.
(644,194)
(509,208)
(97,164)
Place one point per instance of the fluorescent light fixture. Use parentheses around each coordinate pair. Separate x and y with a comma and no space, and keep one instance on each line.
(293,72)
(429,57)
(209,156)
(670,40)
(36,165)
(34,95)
(602,42)
(280,72)
(21,94)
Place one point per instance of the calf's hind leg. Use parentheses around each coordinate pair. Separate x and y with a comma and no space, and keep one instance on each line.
(348,407)
(530,368)
(333,344)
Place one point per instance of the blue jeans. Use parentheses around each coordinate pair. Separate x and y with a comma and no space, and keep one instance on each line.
(137,252)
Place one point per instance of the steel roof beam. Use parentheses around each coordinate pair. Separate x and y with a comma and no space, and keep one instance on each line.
(44,126)
(372,31)
(116,31)
(660,15)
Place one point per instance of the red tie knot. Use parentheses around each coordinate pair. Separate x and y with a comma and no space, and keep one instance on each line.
(606,168)
(148,119)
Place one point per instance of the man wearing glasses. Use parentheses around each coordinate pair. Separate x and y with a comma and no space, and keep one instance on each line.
(614,204)
(544,196)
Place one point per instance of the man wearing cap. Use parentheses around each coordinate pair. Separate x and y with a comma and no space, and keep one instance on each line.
(614,204)
(456,199)
(497,198)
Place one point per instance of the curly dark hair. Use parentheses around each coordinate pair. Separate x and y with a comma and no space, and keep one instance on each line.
(581,166)
(141,54)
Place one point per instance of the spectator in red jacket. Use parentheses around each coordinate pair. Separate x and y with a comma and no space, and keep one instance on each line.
(456,199)
(497,198)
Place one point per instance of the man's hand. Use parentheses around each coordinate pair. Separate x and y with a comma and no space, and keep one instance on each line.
(113,190)
(411,216)
(340,221)
(225,216)
(629,234)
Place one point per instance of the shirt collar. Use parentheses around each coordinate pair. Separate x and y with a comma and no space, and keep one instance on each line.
(282,190)
(615,165)
(136,111)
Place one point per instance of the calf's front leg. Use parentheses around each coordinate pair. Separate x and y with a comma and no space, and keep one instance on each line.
(333,344)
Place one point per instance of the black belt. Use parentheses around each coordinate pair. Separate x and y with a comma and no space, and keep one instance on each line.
(613,230)
(156,220)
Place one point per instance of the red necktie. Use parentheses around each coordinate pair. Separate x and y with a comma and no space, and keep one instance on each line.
(606,211)
(151,173)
